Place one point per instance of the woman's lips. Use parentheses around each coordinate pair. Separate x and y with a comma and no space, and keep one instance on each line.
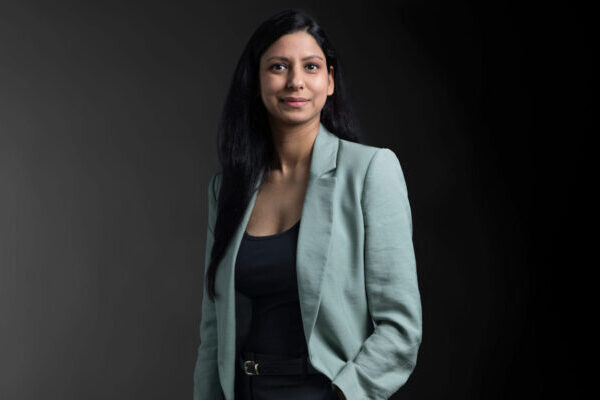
(295,103)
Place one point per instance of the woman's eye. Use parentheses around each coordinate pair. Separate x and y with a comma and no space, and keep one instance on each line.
(274,66)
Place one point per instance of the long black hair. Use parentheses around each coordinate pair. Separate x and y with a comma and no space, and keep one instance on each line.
(245,145)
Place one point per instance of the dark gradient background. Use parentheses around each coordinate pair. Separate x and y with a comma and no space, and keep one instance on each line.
(108,112)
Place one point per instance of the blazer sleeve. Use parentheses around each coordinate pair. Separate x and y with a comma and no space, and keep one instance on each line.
(389,355)
(206,375)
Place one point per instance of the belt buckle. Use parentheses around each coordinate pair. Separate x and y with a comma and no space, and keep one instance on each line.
(249,365)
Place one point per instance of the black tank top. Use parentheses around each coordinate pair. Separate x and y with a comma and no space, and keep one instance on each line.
(266,273)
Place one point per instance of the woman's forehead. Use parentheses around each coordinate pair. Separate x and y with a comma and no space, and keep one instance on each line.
(298,45)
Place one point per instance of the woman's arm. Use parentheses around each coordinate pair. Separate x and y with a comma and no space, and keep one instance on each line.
(206,375)
(388,356)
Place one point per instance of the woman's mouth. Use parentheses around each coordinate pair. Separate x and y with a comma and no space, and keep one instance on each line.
(295,102)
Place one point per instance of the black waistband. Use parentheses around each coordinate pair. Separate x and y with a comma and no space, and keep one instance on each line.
(267,364)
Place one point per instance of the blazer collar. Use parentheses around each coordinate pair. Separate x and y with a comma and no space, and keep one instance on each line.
(311,258)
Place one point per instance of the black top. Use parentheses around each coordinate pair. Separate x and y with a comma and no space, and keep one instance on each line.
(265,272)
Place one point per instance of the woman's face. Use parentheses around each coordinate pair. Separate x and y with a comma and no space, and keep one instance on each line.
(294,66)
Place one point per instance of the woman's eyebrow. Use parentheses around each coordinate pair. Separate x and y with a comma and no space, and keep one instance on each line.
(287,59)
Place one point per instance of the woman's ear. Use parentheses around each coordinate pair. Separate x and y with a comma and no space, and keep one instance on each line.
(331,87)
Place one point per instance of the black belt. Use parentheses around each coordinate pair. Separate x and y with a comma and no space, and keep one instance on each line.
(254,364)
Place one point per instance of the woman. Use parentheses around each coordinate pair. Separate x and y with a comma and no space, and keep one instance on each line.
(311,277)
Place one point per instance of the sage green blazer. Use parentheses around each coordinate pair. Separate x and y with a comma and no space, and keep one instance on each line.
(356,272)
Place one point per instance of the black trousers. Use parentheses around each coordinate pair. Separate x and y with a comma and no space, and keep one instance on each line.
(282,387)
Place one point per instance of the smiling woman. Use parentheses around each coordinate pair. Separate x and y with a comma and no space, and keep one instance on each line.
(294,76)
(311,286)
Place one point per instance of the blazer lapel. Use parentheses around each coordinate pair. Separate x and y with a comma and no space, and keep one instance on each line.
(315,227)
(312,251)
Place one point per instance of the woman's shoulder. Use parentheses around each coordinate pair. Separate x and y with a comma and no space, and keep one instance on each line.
(357,157)
(214,185)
